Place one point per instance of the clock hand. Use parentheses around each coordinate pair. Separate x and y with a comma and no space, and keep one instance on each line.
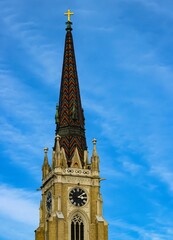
(81,195)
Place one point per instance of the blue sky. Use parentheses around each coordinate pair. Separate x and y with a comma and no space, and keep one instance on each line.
(124,55)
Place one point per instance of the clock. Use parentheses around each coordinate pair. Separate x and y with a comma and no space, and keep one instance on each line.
(78,197)
(49,201)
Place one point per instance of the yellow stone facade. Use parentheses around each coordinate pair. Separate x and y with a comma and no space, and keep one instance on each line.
(55,223)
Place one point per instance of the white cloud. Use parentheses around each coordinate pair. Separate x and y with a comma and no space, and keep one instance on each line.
(18,204)
(18,98)
(17,230)
(144,233)
(111,173)
(156,6)
(35,46)
(20,107)
(146,135)
(131,167)
(19,213)
(164,172)
(19,146)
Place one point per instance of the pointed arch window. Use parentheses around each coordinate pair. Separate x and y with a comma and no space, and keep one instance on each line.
(77,228)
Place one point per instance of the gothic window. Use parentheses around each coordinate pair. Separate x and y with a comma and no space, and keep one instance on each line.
(77,228)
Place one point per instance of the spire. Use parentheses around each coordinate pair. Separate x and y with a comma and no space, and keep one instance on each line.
(58,152)
(95,157)
(46,167)
(69,117)
(94,154)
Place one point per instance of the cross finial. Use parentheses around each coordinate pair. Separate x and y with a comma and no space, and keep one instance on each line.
(68,13)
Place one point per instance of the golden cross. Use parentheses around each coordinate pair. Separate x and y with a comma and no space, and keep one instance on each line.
(68,13)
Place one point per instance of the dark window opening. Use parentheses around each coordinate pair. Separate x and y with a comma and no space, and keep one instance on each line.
(77,228)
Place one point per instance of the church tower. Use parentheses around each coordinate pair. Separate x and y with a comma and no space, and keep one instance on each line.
(71,204)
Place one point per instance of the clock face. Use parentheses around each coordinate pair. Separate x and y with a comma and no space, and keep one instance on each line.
(49,201)
(78,197)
